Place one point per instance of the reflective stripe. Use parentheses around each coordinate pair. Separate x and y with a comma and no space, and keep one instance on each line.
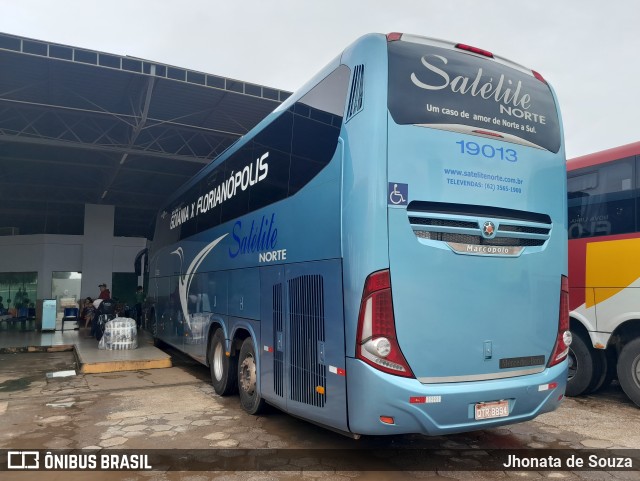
(480,377)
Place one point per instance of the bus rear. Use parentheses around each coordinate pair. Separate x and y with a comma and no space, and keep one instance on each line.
(468,326)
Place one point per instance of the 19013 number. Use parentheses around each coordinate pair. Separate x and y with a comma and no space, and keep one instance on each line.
(487,151)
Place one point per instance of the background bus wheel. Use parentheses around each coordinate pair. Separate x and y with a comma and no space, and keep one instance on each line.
(247,379)
(599,374)
(223,368)
(610,369)
(629,370)
(581,367)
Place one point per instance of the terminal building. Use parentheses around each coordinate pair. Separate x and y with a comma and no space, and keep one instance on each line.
(91,145)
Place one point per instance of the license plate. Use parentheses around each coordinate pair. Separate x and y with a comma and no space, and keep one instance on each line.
(497,409)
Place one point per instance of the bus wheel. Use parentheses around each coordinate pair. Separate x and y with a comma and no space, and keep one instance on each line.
(581,367)
(248,379)
(222,367)
(629,370)
(599,360)
(612,361)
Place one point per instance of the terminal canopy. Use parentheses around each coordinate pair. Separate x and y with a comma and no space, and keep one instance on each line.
(80,127)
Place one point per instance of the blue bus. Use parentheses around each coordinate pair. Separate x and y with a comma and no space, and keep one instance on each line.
(386,252)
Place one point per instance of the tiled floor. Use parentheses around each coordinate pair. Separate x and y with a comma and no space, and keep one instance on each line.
(91,359)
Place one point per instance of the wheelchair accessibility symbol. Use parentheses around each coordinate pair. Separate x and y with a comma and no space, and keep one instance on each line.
(398,193)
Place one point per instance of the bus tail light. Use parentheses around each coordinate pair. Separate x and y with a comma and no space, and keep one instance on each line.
(488,133)
(394,36)
(475,50)
(538,76)
(563,340)
(377,343)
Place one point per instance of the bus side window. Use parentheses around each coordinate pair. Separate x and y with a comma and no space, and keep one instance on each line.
(318,118)
(602,200)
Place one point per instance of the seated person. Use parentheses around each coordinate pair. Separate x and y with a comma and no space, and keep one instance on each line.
(88,312)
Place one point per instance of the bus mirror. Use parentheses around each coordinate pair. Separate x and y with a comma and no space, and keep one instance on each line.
(137,264)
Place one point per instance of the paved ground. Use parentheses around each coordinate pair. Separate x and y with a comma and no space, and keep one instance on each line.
(176,408)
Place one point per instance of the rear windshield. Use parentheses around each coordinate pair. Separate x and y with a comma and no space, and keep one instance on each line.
(439,87)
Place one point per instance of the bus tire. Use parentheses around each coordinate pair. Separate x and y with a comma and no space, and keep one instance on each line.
(599,359)
(581,367)
(222,367)
(629,370)
(610,368)
(250,398)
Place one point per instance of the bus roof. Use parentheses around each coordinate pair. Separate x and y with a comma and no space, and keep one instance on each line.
(604,156)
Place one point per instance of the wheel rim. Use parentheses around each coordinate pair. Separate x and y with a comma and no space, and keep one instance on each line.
(218,357)
(573,365)
(248,375)
(635,370)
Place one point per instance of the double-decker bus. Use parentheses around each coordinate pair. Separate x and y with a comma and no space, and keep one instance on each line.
(604,270)
(386,252)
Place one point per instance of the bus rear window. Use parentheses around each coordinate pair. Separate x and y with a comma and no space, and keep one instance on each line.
(439,87)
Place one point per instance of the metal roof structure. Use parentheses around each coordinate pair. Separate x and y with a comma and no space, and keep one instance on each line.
(79,126)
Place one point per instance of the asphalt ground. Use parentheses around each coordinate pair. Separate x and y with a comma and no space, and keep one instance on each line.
(175,415)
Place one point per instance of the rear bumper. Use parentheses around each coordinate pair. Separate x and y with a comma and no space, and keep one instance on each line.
(450,406)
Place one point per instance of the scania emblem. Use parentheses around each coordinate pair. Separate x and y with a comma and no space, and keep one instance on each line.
(488,229)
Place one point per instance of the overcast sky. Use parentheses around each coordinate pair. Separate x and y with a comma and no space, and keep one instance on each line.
(587,49)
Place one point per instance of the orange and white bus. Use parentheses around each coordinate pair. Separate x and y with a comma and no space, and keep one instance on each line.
(604,270)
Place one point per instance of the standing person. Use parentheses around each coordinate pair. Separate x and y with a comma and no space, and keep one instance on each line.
(17,299)
(138,306)
(104,292)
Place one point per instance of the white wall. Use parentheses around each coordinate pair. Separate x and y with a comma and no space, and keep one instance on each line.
(97,254)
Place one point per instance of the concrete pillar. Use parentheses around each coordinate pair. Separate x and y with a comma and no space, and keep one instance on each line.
(97,252)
